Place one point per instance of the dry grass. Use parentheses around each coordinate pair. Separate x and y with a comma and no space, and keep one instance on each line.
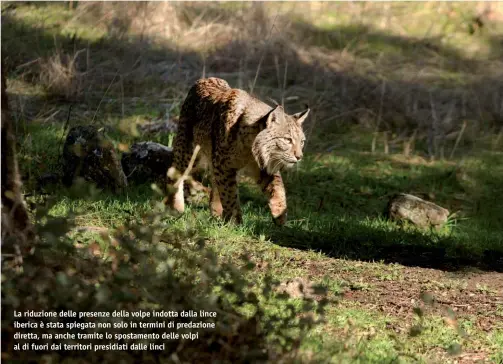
(61,77)
(362,63)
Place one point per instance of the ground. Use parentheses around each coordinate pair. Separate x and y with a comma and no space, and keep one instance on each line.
(387,282)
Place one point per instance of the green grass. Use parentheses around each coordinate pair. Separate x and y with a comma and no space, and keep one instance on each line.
(349,225)
(336,233)
(333,202)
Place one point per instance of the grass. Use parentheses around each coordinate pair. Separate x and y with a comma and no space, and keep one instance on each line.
(346,231)
(336,233)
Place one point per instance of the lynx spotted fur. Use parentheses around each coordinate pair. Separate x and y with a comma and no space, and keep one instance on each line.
(236,131)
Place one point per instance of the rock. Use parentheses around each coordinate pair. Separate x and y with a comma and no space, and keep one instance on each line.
(88,153)
(147,162)
(424,214)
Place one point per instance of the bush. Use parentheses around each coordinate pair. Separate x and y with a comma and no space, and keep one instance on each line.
(145,266)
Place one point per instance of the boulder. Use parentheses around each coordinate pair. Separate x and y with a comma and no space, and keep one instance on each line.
(147,162)
(424,214)
(89,154)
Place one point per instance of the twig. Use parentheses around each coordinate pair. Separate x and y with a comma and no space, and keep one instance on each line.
(122,95)
(498,138)
(65,128)
(284,85)
(374,139)
(110,85)
(458,139)
(386,145)
(431,131)
(446,121)
(189,167)
(408,144)
(263,54)
(51,116)
(204,68)
(27,63)
(276,64)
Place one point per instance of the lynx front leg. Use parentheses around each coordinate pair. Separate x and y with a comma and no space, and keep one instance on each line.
(273,186)
(227,190)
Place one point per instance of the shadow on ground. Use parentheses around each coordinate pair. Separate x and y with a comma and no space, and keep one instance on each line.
(366,244)
(338,210)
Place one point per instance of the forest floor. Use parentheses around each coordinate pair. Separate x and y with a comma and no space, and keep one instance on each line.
(399,293)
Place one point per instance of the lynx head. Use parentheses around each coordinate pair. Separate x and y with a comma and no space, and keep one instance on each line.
(279,145)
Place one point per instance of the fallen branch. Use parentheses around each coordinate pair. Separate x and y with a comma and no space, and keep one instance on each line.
(173,174)
(460,135)
(187,171)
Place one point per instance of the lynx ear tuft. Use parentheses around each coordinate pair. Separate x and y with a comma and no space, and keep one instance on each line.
(301,116)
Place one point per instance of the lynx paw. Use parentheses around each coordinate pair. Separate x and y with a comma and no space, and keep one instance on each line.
(233,218)
(280,220)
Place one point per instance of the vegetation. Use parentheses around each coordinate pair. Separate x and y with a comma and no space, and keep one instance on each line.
(405,97)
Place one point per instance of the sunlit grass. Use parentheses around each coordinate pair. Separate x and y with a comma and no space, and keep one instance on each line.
(337,195)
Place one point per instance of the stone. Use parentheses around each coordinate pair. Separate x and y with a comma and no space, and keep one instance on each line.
(147,162)
(424,214)
(89,154)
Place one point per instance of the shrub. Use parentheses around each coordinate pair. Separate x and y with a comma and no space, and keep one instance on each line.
(147,266)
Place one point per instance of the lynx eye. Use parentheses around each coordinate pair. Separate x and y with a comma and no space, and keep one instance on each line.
(288,140)
(302,141)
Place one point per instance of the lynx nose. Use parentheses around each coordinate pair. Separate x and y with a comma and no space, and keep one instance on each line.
(298,155)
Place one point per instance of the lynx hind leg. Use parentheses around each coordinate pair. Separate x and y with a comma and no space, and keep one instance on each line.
(215,202)
(194,188)
(195,183)
(226,182)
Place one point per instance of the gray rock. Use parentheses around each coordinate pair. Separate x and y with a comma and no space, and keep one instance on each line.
(147,162)
(89,154)
(424,214)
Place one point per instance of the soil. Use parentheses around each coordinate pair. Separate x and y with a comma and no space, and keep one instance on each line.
(395,290)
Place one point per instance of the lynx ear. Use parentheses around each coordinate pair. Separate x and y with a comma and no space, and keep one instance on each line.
(301,116)
(272,117)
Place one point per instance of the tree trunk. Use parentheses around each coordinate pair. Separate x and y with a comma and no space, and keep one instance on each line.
(17,231)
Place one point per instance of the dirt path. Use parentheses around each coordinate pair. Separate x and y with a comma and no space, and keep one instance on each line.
(467,294)
(396,290)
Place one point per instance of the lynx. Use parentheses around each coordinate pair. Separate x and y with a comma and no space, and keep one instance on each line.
(236,132)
